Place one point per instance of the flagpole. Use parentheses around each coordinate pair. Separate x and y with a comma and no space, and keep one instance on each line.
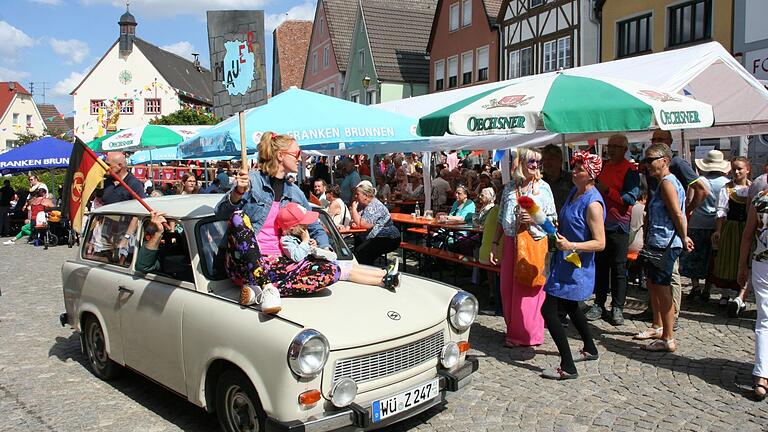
(119,180)
(243,149)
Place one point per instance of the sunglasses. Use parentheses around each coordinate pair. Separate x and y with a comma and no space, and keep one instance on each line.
(296,154)
(532,163)
(650,160)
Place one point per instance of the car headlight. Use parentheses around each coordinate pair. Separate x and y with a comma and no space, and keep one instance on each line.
(308,353)
(343,392)
(462,311)
(449,356)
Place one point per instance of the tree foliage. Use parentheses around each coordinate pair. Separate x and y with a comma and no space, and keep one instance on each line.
(186,117)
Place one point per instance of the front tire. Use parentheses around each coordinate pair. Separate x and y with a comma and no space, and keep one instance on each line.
(237,404)
(95,347)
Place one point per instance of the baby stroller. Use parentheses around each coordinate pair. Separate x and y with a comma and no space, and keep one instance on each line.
(61,229)
(42,234)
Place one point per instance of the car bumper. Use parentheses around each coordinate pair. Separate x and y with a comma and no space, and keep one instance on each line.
(359,417)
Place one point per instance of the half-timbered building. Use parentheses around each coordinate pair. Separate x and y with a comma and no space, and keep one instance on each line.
(547,35)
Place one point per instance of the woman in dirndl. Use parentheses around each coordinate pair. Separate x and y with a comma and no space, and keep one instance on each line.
(732,206)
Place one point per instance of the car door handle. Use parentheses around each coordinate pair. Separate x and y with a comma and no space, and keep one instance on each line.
(124,289)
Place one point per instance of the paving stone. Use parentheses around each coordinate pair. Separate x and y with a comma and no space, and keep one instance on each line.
(704,386)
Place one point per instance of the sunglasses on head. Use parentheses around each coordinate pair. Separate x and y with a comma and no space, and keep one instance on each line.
(650,160)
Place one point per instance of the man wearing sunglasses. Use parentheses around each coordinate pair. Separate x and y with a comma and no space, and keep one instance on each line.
(619,184)
(696,193)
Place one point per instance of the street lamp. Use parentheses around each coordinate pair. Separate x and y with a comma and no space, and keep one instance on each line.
(366,82)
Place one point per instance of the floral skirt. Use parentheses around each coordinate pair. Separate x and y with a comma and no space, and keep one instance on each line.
(246,266)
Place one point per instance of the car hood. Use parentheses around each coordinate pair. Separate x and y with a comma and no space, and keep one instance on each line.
(352,315)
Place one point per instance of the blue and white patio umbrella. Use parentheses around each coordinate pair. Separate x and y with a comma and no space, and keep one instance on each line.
(316,121)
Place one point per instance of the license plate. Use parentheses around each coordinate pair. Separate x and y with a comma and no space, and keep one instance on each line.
(404,401)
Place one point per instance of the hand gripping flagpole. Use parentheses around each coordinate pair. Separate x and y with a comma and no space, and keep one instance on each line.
(123,183)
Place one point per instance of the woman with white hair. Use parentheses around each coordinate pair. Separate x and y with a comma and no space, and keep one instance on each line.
(525,250)
(370,213)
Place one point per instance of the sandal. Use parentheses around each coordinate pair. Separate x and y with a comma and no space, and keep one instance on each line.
(582,356)
(661,345)
(760,396)
(651,333)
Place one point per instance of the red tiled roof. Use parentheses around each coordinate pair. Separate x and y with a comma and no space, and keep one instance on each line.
(52,118)
(291,41)
(6,94)
(492,8)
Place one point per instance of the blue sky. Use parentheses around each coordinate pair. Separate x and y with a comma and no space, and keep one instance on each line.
(59,41)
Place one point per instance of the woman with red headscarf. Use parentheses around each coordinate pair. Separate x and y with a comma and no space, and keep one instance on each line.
(572,273)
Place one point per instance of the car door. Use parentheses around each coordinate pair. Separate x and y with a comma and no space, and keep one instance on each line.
(151,314)
(108,274)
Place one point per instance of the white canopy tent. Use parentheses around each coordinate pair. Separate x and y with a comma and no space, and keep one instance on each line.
(706,72)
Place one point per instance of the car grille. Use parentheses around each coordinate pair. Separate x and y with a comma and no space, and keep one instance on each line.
(385,363)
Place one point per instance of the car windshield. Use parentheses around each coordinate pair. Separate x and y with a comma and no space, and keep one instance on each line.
(212,243)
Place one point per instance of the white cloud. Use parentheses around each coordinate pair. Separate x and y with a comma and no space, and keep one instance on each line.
(305,11)
(12,75)
(46,2)
(13,40)
(181,48)
(166,8)
(65,86)
(74,51)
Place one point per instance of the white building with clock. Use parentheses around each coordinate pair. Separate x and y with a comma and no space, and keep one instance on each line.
(141,81)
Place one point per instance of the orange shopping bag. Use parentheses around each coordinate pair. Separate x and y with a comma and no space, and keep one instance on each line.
(531,259)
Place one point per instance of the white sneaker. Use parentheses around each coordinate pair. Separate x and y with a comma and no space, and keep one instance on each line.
(269,300)
(394,268)
(9,242)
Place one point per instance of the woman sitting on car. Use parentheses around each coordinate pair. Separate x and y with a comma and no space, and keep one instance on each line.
(251,207)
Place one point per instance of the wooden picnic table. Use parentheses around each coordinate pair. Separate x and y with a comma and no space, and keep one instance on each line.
(351,230)
(433,224)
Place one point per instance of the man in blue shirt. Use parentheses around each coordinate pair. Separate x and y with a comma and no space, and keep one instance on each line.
(350,182)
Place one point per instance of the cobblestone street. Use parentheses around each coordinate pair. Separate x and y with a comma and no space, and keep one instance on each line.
(704,386)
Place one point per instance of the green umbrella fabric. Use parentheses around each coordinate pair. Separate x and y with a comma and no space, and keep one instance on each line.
(567,104)
(144,137)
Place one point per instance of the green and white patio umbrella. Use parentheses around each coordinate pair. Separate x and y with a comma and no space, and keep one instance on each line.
(564,103)
(144,137)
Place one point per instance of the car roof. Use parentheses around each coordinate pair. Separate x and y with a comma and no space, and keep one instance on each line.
(174,206)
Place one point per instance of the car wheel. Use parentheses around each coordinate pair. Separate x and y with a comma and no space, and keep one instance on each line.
(237,404)
(95,345)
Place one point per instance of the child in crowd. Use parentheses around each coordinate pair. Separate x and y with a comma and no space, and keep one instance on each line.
(292,220)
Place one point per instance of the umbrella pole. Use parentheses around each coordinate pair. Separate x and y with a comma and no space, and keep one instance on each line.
(373,168)
(53,183)
(243,149)
(426,173)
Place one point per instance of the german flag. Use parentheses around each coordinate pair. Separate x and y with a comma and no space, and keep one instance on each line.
(85,173)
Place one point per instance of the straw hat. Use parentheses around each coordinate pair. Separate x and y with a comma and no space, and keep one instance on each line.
(714,161)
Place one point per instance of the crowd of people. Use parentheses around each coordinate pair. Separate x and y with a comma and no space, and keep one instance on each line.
(696,221)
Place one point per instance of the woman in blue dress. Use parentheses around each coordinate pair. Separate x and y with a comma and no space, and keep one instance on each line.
(572,272)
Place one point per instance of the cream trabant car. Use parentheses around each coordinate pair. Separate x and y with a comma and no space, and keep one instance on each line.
(350,356)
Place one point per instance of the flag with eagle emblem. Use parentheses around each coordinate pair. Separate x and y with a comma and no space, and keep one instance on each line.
(85,173)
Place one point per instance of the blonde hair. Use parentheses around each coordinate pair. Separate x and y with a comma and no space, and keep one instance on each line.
(523,155)
(366,188)
(269,146)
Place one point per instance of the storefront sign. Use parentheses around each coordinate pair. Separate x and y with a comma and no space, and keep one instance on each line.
(756,63)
